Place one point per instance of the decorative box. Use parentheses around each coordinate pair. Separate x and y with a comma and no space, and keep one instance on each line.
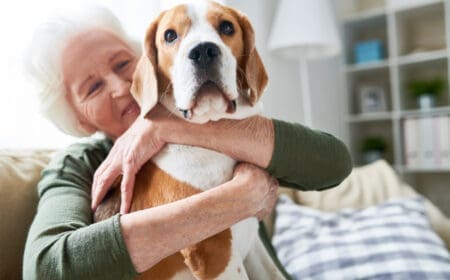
(368,51)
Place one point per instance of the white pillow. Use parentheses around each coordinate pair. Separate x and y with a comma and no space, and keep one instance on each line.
(392,240)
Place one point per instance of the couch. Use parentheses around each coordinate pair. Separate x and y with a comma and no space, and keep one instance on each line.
(20,172)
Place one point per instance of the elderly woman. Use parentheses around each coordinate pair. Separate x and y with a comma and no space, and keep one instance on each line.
(83,67)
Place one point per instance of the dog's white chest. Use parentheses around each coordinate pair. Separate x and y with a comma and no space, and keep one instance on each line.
(199,167)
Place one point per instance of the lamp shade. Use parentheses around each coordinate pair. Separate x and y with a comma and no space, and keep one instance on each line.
(304,29)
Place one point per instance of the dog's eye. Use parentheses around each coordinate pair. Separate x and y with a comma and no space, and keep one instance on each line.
(226,27)
(170,35)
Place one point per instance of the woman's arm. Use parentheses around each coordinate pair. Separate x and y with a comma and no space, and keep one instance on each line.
(297,156)
(195,218)
(62,242)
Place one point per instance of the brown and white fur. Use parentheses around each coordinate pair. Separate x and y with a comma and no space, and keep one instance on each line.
(205,74)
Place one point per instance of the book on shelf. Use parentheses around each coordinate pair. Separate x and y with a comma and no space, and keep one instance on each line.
(411,138)
(427,142)
(443,141)
(427,148)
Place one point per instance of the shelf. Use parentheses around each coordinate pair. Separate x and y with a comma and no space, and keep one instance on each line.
(365,28)
(411,7)
(422,57)
(384,116)
(426,113)
(384,10)
(415,35)
(369,117)
(402,60)
(422,71)
(360,131)
(407,169)
(359,81)
(366,15)
(368,66)
(421,28)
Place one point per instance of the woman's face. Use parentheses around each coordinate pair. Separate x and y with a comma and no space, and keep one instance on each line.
(97,70)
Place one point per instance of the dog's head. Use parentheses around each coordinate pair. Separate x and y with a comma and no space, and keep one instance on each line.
(200,61)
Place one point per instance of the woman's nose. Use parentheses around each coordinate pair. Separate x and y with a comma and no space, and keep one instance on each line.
(120,86)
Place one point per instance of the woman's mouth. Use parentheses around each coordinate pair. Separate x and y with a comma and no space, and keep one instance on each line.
(131,108)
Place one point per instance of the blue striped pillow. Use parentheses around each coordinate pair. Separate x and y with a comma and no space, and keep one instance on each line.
(392,240)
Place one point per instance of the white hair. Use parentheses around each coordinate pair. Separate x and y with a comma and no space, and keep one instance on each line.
(42,60)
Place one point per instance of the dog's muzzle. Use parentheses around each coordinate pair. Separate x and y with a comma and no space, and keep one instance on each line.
(206,62)
(205,55)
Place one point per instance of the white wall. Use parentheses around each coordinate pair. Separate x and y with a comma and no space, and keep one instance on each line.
(327,106)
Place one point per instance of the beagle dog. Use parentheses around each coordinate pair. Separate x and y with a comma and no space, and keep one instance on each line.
(200,62)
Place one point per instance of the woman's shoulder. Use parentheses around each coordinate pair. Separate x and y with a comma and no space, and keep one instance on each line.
(85,153)
(75,165)
(97,144)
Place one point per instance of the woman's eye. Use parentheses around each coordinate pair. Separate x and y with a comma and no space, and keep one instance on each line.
(122,65)
(94,87)
(170,35)
(226,28)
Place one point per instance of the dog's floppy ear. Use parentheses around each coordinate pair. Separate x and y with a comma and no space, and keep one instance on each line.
(145,83)
(255,72)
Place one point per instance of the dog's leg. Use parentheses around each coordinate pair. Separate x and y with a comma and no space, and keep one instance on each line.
(244,235)
(214,258)
(235,268)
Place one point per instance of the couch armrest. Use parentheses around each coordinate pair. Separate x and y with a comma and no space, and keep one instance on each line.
(19,173)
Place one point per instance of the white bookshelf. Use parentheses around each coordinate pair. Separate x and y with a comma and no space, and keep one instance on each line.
(416,39)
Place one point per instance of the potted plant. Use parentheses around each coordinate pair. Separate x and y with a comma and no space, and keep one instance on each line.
(426,91)
(373,148)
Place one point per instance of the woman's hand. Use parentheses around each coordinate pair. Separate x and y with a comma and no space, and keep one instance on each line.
(130,151)
(251,192)
(260,184)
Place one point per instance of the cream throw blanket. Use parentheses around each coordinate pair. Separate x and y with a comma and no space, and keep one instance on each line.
(370,185)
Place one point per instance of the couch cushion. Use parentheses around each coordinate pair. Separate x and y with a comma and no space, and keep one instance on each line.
(19,174)
(392,240)
(370,185)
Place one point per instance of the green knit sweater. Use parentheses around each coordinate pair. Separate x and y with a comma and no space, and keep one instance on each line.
(63,243)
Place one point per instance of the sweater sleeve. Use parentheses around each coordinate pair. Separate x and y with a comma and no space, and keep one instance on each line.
(307,159)
(62,242)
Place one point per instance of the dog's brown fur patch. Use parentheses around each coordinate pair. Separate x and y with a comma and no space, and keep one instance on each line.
(155,187)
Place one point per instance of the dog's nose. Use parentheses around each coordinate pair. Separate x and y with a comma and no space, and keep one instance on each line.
(204,54)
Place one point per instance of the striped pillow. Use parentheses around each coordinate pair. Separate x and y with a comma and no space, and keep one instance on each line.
(390,241)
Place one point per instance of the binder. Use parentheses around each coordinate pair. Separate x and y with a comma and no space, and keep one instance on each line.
(427,143)
(411,139)
(443,141)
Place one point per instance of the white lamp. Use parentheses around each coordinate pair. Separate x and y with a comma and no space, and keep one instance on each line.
(302,30)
